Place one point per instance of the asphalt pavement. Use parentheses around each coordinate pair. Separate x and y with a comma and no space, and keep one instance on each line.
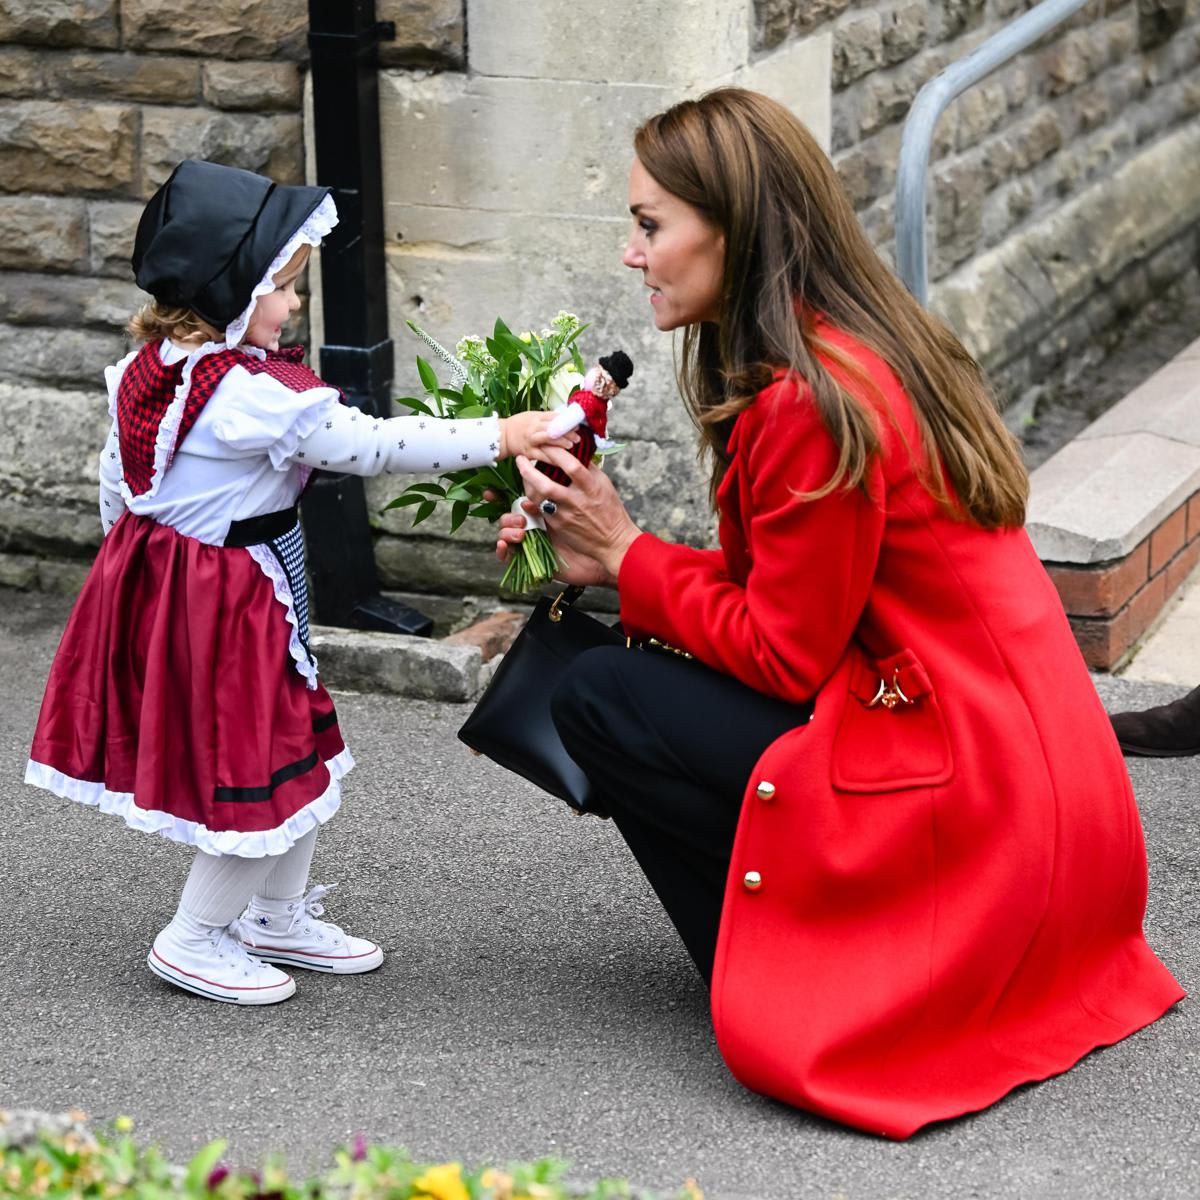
(534,1001)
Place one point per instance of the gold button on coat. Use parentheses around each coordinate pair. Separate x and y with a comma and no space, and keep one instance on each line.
(765,790)
(752,881)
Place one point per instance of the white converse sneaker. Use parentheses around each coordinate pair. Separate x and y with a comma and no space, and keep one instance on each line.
(287,931)
(210,961)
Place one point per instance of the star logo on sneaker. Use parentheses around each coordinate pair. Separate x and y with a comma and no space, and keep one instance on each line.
(263,921)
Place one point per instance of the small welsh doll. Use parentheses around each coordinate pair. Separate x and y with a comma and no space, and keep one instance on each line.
(586,411)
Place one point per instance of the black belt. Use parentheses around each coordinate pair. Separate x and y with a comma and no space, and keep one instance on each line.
(255,530)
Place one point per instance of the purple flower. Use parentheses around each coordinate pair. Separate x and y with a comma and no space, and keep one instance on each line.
(358,1151)
(215,1176)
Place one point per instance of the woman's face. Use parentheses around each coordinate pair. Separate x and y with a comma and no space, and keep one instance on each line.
(680,254)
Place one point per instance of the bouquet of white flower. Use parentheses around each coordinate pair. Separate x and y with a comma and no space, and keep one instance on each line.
(504,374)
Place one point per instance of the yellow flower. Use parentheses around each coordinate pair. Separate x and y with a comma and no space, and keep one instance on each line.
(123,1124)
(442,1183)
(499,1183)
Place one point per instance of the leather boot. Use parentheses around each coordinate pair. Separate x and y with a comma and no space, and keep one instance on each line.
(1167,731)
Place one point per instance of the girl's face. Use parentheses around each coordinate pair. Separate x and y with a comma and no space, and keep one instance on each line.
(680,254)
(273,310)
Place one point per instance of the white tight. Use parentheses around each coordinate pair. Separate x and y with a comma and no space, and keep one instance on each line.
(219,886)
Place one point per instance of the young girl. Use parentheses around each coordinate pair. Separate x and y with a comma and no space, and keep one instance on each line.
(184,697)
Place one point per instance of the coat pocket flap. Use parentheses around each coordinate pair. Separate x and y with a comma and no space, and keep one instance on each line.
(891,735)
(901,674)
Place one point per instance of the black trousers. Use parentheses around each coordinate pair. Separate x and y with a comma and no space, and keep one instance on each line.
(669,745)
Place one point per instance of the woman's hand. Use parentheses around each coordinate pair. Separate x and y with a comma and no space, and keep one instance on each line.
(590,527)
(526,433)
(574,568)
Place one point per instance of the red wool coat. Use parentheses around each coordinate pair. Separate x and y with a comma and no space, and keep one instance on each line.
(950,891)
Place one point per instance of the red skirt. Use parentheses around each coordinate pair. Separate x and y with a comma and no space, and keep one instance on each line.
(174,701)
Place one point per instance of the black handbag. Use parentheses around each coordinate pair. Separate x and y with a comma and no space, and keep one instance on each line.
(511,723)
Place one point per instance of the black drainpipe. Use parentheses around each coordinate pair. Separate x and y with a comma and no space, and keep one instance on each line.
(357,354)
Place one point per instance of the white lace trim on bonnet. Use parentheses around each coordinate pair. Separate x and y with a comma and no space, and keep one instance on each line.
(320,221)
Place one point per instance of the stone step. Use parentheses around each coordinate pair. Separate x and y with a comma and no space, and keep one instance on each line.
(1115,514)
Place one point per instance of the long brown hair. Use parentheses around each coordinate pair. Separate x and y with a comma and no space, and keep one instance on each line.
(793,250)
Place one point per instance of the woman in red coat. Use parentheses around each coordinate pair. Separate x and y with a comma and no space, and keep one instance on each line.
(882,802)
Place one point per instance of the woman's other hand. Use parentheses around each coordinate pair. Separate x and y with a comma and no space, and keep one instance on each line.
(526,434)
(574,568)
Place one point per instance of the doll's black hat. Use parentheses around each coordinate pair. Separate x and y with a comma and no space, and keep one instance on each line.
(619,366)
(210,234)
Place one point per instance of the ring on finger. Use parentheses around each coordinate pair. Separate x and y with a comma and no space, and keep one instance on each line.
(548,507)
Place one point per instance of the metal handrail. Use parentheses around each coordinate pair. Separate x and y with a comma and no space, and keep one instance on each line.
(932,100)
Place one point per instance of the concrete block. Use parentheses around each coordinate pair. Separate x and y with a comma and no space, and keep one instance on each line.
(680,42)
(552,146)
(48,474)
(1097,498)
(1192,352)
(511,145)
(1168,404)
(355,660)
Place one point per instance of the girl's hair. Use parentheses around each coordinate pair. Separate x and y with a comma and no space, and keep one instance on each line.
(155,320)
(795,252)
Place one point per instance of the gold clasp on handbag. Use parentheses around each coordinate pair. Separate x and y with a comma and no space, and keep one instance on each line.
(890,696)
(555,613)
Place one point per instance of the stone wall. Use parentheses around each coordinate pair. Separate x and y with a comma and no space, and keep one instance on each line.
(99,99)
(1054,180)
(1065,191)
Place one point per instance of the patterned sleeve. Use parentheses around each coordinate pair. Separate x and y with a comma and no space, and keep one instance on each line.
(112,504)
(353,442)
(256,414)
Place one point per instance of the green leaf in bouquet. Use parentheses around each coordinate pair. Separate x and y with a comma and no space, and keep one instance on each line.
(433,489)
(498,395)
(489,510)
(415,404)
(473,410)
(577,360)
(425,510)
(429,380)
(459,493)
(458,514)
(405,499)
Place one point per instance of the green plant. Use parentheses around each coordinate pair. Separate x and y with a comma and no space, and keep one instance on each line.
(111,1165)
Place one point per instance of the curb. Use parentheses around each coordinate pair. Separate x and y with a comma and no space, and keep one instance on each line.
(455,668)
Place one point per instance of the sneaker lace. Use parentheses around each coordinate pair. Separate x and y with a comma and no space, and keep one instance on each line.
(311,908)
(227,945)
